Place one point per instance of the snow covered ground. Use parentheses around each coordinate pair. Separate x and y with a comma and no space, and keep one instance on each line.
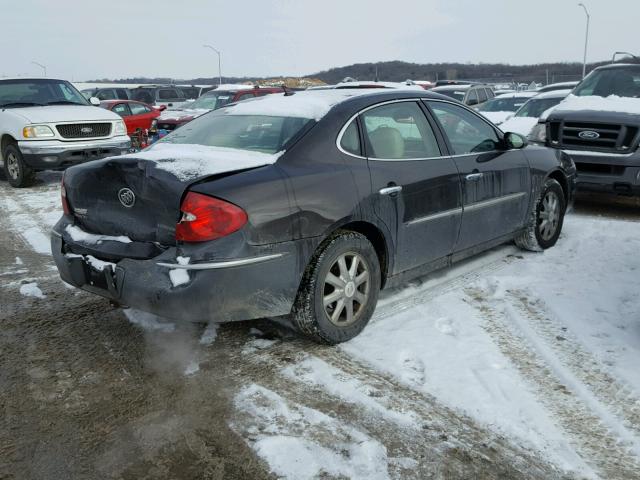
(530,354)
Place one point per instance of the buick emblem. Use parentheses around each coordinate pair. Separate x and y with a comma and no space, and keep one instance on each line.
(86,130)
(589,135)
(127,197)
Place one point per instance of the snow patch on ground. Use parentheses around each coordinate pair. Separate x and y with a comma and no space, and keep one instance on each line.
(300,443)
(209,335)
(31,290)
(19,261)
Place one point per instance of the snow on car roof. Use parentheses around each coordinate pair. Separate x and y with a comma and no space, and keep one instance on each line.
(612,103)
(554,94)
(312,104)
(232,86)
(374,84)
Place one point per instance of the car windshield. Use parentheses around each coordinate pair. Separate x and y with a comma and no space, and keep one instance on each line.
(29,92)
(536,106)
(259,133)
(212,100)
(623,82)
(457,94)
(509,104)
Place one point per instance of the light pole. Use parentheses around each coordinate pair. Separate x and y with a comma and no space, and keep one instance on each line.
(44,69)
(586,40)
(219,62)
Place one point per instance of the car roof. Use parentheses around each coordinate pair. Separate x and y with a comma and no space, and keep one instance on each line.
(31,79)
(447,88)
(617,65)
(554,94)
(522,94)
(121,100)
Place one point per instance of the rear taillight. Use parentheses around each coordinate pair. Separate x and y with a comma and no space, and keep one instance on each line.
(206,218)
(63,196)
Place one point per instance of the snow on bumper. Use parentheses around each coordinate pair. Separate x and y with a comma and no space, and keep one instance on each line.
(219,291)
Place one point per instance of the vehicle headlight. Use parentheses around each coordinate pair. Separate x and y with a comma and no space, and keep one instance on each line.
(37,131)
(538,133)
(119,128)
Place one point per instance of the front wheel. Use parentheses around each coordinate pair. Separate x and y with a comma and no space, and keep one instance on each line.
(546,220)
(339,290)
(18,173)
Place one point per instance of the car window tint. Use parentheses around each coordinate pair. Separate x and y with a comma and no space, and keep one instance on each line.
(482,94)
(121,109)
(143,96)
(167,94)
(122,94)
(350,141)
(137,109)
(399,131)
(467,132)
(106,95)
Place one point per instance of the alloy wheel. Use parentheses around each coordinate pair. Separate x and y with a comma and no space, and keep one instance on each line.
(12,165)
(346,289)
(549,216)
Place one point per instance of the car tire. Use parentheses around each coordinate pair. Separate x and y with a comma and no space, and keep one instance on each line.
(336,300)
(17,173)
(546,219)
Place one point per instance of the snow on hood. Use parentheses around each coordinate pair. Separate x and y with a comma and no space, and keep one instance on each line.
(496,117)
(179,114)
(521,125)
(65,113)
(313,104)
(612,103)
(190,161)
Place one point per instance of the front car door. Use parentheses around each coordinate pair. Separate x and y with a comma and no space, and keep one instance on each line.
(496,181)
(416,186)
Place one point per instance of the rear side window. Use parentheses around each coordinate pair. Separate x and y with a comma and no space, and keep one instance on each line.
(482,94)
(137,109)
(350,141)
(167,94)
(122,94)
(399,131)
(490,93)
(106,95)
(143,96)
(467,132)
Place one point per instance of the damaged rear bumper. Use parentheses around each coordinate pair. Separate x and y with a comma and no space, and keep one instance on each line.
(263,284)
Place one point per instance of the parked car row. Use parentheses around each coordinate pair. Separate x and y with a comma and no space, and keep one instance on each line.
(149,94)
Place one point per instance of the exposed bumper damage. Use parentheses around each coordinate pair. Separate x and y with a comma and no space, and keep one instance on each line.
(261,284)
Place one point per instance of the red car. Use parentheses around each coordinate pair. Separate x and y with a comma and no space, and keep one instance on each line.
(136,115)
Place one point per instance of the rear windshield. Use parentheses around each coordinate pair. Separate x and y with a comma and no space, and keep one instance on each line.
(28,93)
(213,100)
(503,104)
(623,82)
(536,107)
(259,133)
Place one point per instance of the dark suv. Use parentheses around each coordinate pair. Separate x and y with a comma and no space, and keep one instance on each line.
(470,94)
(598,125)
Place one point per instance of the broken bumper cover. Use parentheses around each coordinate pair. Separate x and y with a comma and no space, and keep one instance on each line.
(55,154)
(259,286)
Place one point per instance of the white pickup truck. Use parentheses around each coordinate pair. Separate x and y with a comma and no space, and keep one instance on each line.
(47,124)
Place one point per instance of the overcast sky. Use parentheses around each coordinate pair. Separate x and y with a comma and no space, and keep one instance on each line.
(88,39)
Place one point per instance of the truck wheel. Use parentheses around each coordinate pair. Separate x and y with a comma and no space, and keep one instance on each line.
(18,173)
(546,219)
(339,289)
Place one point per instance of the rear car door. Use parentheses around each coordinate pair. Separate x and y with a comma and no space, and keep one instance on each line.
(415,186)
(495,181)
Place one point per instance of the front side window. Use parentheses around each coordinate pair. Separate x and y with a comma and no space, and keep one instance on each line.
(467,132)
(350,141)
(121,109)
(399,131)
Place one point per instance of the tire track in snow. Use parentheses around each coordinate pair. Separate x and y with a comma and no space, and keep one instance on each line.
(409,423)
(619,398)
(595,442)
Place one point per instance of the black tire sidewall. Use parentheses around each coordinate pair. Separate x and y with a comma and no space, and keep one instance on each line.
(550,185)
(349,242)
(25,174)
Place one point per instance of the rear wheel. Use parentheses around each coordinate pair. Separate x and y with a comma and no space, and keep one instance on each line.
(546,219)
(18,173)
(339,290)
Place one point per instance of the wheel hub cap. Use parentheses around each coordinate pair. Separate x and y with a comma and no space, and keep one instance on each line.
(346,289)
(549,216)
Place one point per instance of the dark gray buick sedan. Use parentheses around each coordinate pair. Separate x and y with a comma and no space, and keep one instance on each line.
(304,205)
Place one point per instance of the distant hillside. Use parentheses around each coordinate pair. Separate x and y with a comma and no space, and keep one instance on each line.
(397,71)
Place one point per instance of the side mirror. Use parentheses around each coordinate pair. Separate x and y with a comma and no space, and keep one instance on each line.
(95,101)
(514,140)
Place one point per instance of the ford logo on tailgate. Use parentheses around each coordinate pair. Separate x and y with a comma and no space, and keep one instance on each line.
(127,197)
(589,135)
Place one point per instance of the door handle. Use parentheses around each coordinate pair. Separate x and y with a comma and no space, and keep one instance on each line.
(474,176)
(390,190)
